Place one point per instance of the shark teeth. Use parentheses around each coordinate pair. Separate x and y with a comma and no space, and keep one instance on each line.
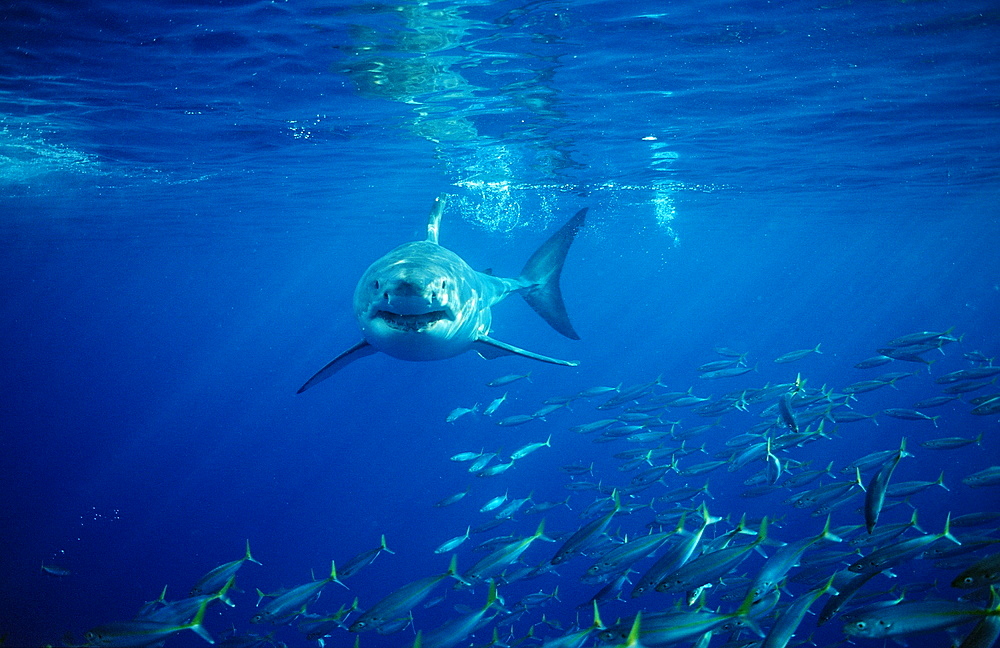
(417,322)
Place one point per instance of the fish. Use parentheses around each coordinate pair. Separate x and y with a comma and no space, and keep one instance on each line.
(906,489)
(466,456)
(773,465)
(531,447)
(786,414)
(987,477)
(865,386)
(513,507)
(785,626)
(792,356)
(909,415)
(144,633)
(595,426)
(710,566)
(482,461)
(983,573)
(626,554)
(913,617)
(293,602)
(451,499)
(934,401)
(450,545)
(585,535)
(496,469)
(951,443)
(454,631)
(879,484)
(577,469)
(508,379)
(889,556)
(216,579)
(784,558)
(365,558)
(180,612)
(55,570)
(874,361)
(990,405)
(975,373)
(987,631)
(459,412)
(423,302)
(493,503)
(495,405)
(921,337)
(967,386)
(676,556)
(675,627)
(600,390)
(399,603)
(515,419)
(545,410)
(727,373)
(719,364)
(499,559)
(316,628)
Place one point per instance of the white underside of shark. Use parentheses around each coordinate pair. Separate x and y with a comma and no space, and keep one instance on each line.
(422,301)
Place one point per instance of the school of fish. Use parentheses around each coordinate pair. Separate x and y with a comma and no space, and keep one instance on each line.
(670,559)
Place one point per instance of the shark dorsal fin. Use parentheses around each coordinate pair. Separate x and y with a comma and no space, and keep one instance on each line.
(434,221)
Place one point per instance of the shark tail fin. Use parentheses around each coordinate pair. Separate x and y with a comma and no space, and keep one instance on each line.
(542,271)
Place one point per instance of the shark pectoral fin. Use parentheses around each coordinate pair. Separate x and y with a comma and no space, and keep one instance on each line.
(359,350)
(489,348)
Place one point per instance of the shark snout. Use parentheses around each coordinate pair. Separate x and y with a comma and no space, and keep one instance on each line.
(411,298)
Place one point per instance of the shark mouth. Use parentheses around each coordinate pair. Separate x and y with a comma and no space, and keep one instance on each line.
(412,323)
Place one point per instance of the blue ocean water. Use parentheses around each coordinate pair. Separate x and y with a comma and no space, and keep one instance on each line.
(190,190)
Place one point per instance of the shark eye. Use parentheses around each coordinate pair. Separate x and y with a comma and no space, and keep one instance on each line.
(376,284)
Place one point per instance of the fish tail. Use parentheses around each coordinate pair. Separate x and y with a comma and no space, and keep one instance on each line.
(940,481)
(761,533)
(195,624)
(222,594)
(598,624)
(384,547)
(491,597)
(947,530)
(541,276)
(247,555)
(826,534)
(333,575)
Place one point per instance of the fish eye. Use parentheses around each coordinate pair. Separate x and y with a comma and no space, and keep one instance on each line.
(860,625)
(968,580)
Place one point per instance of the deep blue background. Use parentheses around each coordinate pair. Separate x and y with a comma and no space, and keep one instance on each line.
(189,192)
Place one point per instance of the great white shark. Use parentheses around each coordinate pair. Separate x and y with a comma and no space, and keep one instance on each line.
(421,301)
